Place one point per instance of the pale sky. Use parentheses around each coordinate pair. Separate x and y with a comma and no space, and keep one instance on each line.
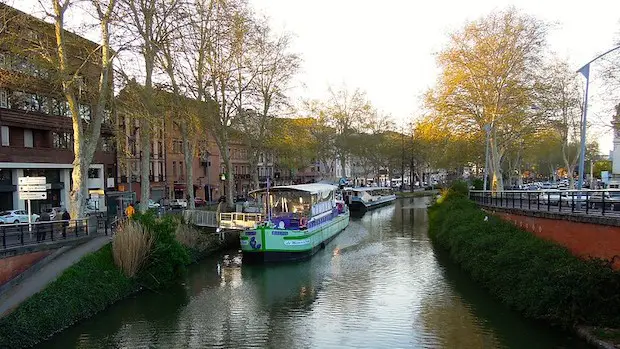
(387,47)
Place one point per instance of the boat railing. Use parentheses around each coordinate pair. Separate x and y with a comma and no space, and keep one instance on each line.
(238,220)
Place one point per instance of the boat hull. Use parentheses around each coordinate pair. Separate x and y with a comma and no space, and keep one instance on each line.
(265,245)
(358,205)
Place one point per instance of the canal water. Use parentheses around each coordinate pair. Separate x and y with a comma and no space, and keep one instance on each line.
(379,284)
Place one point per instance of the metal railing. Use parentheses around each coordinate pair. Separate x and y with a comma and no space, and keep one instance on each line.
(602,202)
(22,234)
(201,218)
(237,220)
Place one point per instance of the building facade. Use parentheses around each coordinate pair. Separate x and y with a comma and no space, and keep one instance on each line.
(36,132)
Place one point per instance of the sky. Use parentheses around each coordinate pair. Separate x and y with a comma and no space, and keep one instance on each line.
(387,48)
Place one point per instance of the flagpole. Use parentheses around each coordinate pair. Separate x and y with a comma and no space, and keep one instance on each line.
(268,203)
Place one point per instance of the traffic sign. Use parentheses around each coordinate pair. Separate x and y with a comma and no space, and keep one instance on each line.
(33,187)
(30,180)
(32,195)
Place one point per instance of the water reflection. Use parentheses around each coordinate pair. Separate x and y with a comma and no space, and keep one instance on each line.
(379,284)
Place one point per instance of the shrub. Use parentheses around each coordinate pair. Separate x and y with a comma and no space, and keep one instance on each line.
(168,258)
(477,183)
(196,242)
(536,277)
(131,247)
(85,288)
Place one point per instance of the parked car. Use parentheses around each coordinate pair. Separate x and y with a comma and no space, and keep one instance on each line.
(198,202)
(240,198)
(153,204)
(55,213)
(178,203)
(611,200)
(16,216)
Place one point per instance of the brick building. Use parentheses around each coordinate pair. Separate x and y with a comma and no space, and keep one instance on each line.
(35,122)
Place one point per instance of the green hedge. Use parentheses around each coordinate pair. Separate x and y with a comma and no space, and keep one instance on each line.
(540,279)
(168,259)
(84,289)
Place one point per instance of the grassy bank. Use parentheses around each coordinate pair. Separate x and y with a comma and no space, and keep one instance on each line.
(96,281)
(416,194)
(84,289)
(537,278)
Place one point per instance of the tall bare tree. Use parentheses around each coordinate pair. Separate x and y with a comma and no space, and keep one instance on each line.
(148,23)
(274,69)
(562,100)
(85,137)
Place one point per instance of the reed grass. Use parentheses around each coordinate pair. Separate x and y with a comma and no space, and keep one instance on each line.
(131,247)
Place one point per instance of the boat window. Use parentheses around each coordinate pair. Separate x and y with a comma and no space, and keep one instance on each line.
(287,203)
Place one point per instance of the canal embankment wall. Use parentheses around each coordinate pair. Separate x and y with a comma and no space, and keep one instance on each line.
(585,236)
(537,277)
(95,282)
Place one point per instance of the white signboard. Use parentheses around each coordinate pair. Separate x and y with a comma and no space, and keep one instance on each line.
(33,187)
(30,180)
(32,195)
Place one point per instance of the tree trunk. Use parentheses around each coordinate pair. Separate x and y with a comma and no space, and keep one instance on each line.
(145,161)
(497,182)
(343,162)
(188,152)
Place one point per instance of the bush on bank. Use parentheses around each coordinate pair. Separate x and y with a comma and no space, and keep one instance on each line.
(540,279)
(95,282)
(167,259)
(87,287)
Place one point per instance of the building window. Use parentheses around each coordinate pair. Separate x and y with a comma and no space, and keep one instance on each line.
(5,136)
(28,143)
(152,166)
(174,169)
(93,173)
(181,168)
(160,165)
(107,144)
(177,146)
(3,99)
(62,140)
(84,112)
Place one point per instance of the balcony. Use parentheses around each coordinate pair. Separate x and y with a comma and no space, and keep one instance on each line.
(41,121)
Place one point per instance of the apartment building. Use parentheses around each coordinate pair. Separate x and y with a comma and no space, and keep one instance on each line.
(167,168)
(36,136)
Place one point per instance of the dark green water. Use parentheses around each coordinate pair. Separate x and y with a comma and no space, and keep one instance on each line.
(379,284)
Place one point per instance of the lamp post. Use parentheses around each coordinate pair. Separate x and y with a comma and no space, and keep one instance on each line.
(487,130)
(585,71)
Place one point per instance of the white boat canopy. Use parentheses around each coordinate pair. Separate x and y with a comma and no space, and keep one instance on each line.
(312,188)
(367,188)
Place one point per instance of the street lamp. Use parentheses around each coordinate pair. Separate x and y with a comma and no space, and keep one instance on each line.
(585,71)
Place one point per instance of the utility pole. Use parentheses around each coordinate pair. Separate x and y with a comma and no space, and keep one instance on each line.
(402,161)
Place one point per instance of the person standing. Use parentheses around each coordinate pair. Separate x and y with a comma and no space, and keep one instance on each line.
(42,226)
(66,217)
(130,211)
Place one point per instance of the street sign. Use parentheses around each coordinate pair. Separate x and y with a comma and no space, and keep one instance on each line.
(30,180)
(32,195)
(33,187)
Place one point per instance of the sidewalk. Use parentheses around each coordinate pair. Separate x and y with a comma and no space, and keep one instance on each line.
(48,273)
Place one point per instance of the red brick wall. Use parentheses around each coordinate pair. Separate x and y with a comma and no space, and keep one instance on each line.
(12,266)
(582,239)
